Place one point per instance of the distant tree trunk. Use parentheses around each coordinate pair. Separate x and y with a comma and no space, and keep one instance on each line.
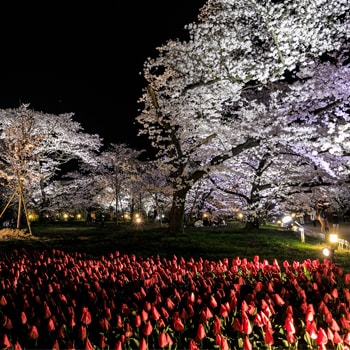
(19,212)
(116,205)
(177,212)
(252,223)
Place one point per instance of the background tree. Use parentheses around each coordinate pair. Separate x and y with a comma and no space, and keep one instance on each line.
(119,167)
(159,191)
(227,90)
(34,148)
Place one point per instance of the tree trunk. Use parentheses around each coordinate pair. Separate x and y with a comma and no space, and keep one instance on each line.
(177,212)
(252,224)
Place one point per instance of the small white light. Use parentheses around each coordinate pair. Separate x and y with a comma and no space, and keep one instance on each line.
(287,219)
(326,252)
(333,238)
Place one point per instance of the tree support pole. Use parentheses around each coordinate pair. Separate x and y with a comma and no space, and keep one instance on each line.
(8,203)
(24,203)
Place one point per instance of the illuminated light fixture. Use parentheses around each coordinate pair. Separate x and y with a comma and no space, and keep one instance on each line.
(286,219)
(333,238)
(328,253)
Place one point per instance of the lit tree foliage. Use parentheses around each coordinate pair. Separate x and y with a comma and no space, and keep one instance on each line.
(35,146)
(255,77)
(118,170)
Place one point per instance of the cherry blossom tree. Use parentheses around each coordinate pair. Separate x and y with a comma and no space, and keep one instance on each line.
(34,148)
(119,168)
(254,75)
(155,183)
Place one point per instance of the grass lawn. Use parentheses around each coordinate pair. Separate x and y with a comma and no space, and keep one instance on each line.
(211,243)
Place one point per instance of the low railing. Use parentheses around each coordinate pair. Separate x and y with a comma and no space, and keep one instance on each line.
(342,243)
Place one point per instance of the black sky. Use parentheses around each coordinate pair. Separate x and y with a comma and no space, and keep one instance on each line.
(86,60)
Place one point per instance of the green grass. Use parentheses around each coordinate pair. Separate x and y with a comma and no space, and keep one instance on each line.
(211,243)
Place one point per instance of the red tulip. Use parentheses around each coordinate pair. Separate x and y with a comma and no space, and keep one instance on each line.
(72,322)
(311,329)
(6,322)
(3,301)
(17,346)
(251,308)
(200,332)
(147,306)
(55,345)
(164,312)
(143,345)
(137,321)
(244,306)
(119,345)
(337,339)
(268,338)
(128,330)
(144,315)
(309,315)
(190,312)
(344,323)
(61,334)
(347,338)
(155,314)
(82,333)
(278,300)
(329,317)
(212,302)
(63,299)
(170,304)
(88,345)
(289,325)
(330,334)
(236,324)
(169,340)
(161,323)
(193,345)
(120,323)
(104,324)
(258,321)
(335,293)
(247,345)
(178,325)
(47,311)
(162,340)
(270,288)
(321,337)
(217,326)
(206,314)
(218,339)
(50,325)
(102,341)
(266,308)
(291,338)
(86,316)
(23,317)
(246,326)
(264,319)
(258,286)
(108,313)
(5,342)
(33,332)
(223,344)
(334,325)
(148,328)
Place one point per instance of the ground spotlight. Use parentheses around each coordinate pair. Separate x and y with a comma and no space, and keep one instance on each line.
(287,219)
(328,253)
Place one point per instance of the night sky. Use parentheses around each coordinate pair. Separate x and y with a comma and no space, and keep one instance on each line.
(87,60)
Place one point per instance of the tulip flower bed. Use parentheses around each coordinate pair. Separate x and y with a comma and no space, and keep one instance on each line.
(54,300)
